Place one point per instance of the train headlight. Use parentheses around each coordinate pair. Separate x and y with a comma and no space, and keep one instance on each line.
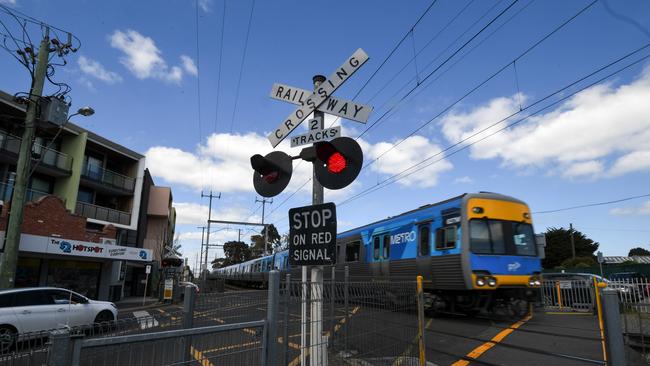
(534,282)
(480,281)
(492,282)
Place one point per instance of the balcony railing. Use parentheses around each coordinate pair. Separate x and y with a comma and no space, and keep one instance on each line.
(99,174)
(49,157)
(6,191)
(102,213)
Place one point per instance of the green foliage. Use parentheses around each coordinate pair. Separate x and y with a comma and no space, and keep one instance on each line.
(273,240)
(638,251)
(558,247)
(579,262)
(235,252)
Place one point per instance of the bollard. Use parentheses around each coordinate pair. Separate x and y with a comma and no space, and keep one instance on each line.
(272,319)
(613,332)
(346,282)
(188,320)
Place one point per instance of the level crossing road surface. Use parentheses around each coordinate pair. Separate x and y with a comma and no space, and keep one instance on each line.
(542,338)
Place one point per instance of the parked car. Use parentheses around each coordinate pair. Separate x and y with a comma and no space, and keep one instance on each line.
(25,310)
(635,278)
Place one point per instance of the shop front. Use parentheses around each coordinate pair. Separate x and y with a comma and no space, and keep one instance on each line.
(92,269)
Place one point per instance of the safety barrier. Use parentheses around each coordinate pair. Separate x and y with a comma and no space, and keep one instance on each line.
(568,295)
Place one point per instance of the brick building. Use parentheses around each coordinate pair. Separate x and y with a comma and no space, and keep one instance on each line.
(85,225)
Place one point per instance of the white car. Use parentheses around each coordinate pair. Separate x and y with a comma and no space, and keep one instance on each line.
(25,310)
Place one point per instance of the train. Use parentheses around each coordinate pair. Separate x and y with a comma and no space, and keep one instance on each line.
(476,252)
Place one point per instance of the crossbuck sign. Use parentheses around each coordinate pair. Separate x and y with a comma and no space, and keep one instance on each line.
(313,101)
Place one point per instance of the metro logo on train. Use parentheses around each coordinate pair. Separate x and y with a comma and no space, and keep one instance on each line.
(312,235)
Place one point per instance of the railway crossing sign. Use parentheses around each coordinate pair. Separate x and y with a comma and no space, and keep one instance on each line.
(315,99)
(312,235)
(316,136)
(338,107)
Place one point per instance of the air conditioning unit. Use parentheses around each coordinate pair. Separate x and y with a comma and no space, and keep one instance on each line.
(108,241)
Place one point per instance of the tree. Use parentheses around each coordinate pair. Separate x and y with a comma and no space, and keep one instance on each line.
(273,240)
(558,246)
(235,252)
(638,251)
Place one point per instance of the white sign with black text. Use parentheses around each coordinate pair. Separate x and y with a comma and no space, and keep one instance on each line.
(316,136)
(312,235)
(324,91)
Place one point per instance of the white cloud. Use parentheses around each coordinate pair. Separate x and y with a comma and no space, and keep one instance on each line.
(143,58)
(204,5)
(197,214)
(189,65)
(410,152)
(644,209)
(8,2)
(95,69)
(464,179)
(604,121)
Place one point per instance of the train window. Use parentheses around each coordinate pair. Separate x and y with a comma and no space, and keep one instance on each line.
(425,247)
(375,246)
(486,237)
(386,247)
(446,238)
(352,251)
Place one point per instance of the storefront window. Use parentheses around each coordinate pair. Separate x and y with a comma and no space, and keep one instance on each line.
(81,277)
(28,272)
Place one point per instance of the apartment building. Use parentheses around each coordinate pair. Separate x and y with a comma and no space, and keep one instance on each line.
(86,219)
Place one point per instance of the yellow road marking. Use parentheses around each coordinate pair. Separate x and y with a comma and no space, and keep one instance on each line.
(232,346)
(338,326)
(398,361)
(198,355)
(291,344)
(566,313)
(478,351)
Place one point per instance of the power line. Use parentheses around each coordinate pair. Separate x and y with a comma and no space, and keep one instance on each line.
(398,176)
(241,70)
(223,22)
(594,204)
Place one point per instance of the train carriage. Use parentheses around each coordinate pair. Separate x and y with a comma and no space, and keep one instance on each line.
(475,251)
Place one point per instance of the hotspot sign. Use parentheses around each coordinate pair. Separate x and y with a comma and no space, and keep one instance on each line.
(312,235)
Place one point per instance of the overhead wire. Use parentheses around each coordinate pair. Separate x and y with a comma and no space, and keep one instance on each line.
(241,69)
(594,204)
(398,176)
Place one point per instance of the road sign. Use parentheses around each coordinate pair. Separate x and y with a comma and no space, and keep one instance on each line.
(600,257)
(315,136)
(338,77)
(312,235)
(565,285)
(169,289)
(147,269)
(332,105)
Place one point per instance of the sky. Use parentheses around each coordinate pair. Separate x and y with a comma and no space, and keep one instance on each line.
(477,95)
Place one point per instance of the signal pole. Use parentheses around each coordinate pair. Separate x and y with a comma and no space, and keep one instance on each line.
(316,334)
(202,241)
(12,241)
(207,236)
(264,201)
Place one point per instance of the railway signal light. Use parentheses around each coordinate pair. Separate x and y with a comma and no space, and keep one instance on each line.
(272,173)
(336,163)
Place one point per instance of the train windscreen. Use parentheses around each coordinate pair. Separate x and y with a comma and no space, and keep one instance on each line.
(488,236)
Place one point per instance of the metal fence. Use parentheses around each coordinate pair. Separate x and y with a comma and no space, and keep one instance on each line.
(568,295)
(634,301)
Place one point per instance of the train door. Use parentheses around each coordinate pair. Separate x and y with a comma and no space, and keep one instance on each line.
(380,257)
(423,256)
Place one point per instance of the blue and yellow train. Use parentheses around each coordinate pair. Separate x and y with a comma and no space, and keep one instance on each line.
(475,252)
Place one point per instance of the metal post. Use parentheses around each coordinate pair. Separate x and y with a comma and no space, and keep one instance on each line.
(346,281)
(573,245)
(60,350)
(188,320)
(272,318)
(207,236)
(316,317)
(287,300)
(303,318)
(10,257)
(332,291)
(613,331)
(420,293)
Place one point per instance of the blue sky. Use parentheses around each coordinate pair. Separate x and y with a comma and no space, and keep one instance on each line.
(140,69)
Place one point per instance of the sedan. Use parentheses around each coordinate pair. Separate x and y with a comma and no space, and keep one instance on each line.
(38,309)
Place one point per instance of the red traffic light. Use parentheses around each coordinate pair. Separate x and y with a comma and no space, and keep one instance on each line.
(272,173)
(337,163)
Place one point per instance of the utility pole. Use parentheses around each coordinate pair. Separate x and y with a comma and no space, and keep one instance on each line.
(12,241)
(207,236)
(573,245)
(202,241)
(264,201)
(239,235)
